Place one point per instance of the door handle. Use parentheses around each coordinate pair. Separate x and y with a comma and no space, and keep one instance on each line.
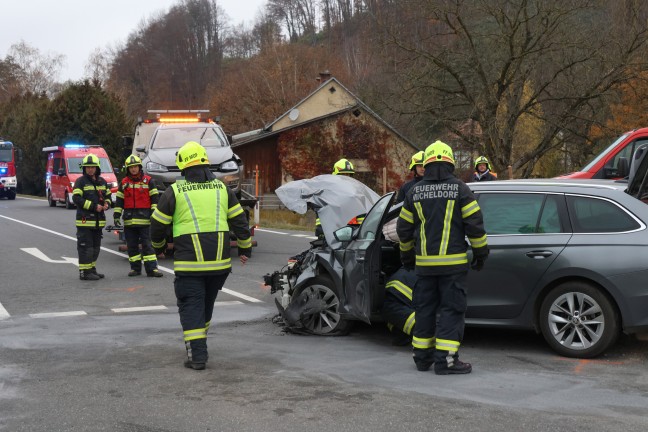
(539,254)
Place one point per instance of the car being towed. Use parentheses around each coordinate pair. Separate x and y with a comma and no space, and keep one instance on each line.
(567,259)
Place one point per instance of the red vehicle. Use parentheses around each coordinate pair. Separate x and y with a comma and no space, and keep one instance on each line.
(8,180)
(64,168)
(614,161)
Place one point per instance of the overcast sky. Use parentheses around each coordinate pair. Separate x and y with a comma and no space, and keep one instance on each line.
(75,28)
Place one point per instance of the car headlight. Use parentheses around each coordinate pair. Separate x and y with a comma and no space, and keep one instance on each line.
(155,167)
(229,166)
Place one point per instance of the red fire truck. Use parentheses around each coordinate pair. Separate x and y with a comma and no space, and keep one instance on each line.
(8,180)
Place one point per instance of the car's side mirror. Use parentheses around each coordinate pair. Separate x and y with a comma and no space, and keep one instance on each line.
(344,234)
(141,149)
(117,171)
(61,171)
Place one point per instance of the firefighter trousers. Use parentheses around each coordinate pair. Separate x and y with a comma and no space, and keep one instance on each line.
(88,247)
(196,296)
(444,295)
(136,235)
(398,313)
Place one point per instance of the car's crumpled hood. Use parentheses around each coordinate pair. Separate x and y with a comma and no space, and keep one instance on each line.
(337,199)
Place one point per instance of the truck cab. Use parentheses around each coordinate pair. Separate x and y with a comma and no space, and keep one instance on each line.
(8,179)
(158,139)
(613,162)
(63,168)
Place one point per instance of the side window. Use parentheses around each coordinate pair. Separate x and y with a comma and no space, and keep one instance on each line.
(594,215)
(56,165)
(519,213)
(369,227)
(627,152)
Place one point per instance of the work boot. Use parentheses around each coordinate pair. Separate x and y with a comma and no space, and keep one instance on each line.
(154,273)
(458,367)
(88,275)
(94,270)
(134,273)
(194,365)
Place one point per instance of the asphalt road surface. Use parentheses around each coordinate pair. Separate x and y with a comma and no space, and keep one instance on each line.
(107,356)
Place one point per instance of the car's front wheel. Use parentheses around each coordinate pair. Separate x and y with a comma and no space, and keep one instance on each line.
(327,319)
(51,201)
(578,320)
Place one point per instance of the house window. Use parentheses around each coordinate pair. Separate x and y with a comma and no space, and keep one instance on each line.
(332,90)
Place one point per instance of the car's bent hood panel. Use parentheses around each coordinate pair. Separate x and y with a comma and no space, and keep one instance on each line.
(337,199)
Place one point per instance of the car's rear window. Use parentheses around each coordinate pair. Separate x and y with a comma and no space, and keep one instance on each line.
(595,215)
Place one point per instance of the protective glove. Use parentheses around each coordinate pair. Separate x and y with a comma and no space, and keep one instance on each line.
(116,222)
(408,259)
(477,263)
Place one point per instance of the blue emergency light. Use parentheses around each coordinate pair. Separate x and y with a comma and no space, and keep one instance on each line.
(74,145)
(3,170)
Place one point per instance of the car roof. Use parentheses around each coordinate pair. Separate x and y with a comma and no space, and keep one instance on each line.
(553,185)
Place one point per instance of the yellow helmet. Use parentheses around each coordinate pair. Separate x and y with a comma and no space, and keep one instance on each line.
(132,160)
(343,166)
(482,160)
(90,160)
(191,154)
(438,151)
(417,159)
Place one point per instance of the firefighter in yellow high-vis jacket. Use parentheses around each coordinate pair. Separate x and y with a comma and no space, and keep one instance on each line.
(201,210)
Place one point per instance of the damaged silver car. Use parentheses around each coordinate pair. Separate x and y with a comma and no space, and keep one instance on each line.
(567,259)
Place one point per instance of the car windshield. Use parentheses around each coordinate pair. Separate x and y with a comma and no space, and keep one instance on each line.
(5,155)
(74,165)
(168,138)
(603,153)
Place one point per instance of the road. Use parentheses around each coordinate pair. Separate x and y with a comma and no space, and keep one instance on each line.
(107,356)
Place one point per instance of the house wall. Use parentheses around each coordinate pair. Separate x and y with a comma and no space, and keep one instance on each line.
(264,155)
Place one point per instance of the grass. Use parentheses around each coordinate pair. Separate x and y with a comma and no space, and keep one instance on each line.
(285,219)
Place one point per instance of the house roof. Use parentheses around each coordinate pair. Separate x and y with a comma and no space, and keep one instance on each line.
(252,136)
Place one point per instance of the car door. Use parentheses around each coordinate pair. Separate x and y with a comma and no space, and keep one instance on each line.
(526,232)
(362,262)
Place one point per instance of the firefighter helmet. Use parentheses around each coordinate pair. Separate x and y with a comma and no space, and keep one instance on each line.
(132,160)
(343,166)
(482,160)
(438,151)
(90,161)
(417,159)
(191,154)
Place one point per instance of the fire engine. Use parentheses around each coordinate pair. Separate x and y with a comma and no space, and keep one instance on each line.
(8,180)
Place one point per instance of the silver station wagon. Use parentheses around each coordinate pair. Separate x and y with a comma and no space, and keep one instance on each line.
(568,258)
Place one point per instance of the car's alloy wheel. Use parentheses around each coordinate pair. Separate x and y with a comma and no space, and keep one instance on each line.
(328,320)
(578,320)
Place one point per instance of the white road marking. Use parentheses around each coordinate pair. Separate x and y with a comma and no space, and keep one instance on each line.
(38,254)
(162,268)
(3,313)
(273,232)
(57,314)
(227,303)
(138,309)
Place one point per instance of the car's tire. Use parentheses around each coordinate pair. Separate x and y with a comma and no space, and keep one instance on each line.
(67,203)
(11,195)
(50,200)
(329,321)
(578,320)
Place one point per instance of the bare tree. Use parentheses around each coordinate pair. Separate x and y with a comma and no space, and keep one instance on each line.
(495,63)
(37,72)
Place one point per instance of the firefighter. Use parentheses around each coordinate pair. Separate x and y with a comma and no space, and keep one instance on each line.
(343,167)
(137,198)
(397,307)
(482,170)
(91,196)
(438,214)
(416,166)
(201,210)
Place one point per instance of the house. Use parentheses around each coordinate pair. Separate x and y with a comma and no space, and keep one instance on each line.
(329,124)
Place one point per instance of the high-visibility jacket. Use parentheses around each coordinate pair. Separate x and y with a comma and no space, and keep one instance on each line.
(434,221)
(87,193)
(137,198)
(202,214)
